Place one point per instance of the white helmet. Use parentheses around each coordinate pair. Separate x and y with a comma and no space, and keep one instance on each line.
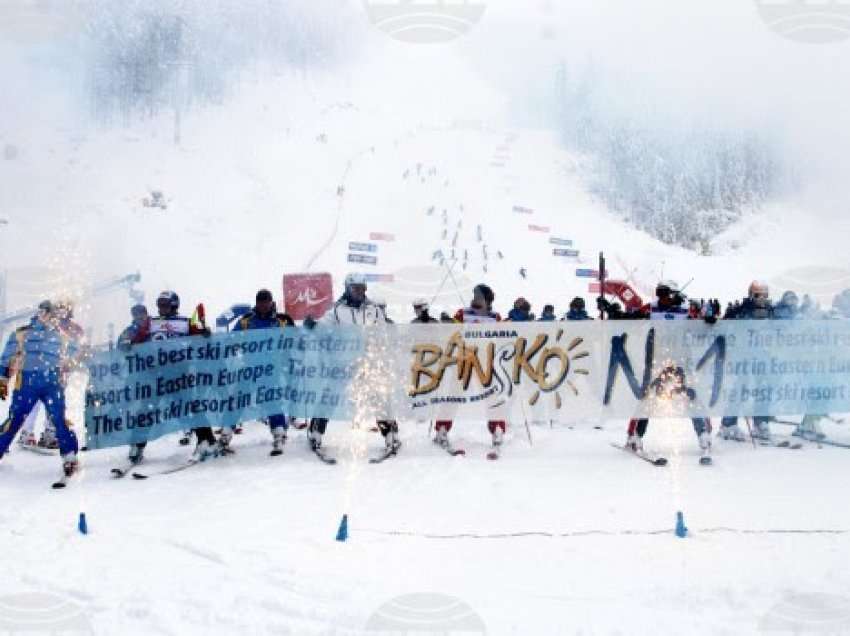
(421,303)
(355,278)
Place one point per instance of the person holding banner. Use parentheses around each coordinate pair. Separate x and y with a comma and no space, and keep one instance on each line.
(479,311)
(756,306)
(354,308)
(263,316)
(669,305)
(137,331)
(36,358)
(167,325)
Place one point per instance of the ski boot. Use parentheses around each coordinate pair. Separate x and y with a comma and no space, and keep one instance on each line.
(315,440)
(705,447)
(810,428)
(392,442)
(137,454)
(223,444)
(498,437)
(733,433)
(70,464)
(204,451)
(634,443)
(761,432)
(278,442)
(442,437)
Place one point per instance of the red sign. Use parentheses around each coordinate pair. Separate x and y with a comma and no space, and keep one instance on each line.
(538,228)
(381,236)
(307,295)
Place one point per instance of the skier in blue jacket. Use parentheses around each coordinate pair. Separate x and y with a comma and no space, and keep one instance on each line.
(35,361)
(264,316)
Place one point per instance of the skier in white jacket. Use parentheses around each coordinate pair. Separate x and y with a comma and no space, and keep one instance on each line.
(354,308)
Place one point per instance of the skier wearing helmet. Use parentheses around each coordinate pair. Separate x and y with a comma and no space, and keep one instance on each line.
(668,305)
(354,308)
(169,324)
(480,310)
(756,306)
(421,308)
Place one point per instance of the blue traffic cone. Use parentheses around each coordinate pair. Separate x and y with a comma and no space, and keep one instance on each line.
(342,533)
(681,530)
(83,525)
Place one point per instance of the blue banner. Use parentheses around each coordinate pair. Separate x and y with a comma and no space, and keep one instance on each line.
(161,387)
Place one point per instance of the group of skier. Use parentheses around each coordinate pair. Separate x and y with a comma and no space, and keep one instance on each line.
(38,356)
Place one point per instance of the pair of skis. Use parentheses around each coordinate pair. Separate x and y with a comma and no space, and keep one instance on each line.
(129,469)
(655,460)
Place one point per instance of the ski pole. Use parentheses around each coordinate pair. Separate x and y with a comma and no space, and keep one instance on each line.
(750,429)
(527,428)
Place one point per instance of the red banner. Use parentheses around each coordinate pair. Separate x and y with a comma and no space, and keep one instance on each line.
(381,236)
(307,295)
(620,289)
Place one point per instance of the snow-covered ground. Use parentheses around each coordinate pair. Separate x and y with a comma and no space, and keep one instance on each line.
(567,535)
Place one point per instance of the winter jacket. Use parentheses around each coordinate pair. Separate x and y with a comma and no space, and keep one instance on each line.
(37,348)
(344,312)
(520,315)
(253,320)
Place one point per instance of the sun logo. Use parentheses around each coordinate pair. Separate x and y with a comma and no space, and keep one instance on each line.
(809,21)
(424,21)
(567,358)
